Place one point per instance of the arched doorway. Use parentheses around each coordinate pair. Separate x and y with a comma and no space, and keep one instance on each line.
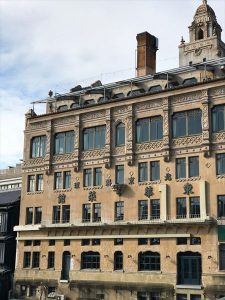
(189,268)
(65,265)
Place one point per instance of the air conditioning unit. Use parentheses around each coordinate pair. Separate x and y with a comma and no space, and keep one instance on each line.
(60,297)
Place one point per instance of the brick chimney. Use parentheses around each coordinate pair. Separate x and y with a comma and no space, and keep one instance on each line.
(147,45)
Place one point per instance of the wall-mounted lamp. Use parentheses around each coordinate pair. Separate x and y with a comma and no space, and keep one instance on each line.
(129,256)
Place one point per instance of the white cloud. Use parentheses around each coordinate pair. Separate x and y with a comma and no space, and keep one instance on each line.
(54,44)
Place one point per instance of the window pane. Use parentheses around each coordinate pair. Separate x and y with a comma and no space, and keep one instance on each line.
(40,182)
(193,163)
(29,215)
(221,206)
(120,174)
(38,215)
(142,130)
(218,118)
(59,143)
(155,209)
(69,141)
(149,261)
(97,176)
(65,213)
(58,180)
(181,208)
(31,183)
(119,210)
(100,137)
(97,212)
(222,256)
(180,168)
(56,214)
(118,260)
(88,177)
(142,172)
(156,128)
(120,134)
(86,213)
(179,124)
(194,122)
(38,146)
(143,209)
(155,170)
(194,207)
(67,180)
(220,164)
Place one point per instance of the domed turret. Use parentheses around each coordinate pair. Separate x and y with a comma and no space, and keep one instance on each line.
(205,38)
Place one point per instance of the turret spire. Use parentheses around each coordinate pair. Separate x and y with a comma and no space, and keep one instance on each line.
(204,2)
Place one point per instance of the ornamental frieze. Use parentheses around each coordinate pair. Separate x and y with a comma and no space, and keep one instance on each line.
(92,116)
(218,137)
(218,92)
(148,105)
(63,157)
(39,125)
(149,146)
(64,120)
(34,162)
(187,141)
(93,153)
(122,110)
(119,150)
(186,98)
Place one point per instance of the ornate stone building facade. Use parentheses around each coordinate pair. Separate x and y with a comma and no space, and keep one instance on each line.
(123,184)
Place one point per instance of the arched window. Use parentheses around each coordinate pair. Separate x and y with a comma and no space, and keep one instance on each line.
(120,134)
(200,34)
(90,260)
(189,268)
(148,261)
(118,260)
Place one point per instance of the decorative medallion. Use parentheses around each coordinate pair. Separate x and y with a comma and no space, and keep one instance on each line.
(148,191)
(131,178)
(77,183)
(168,177)
(188,189)
(92,196)
(108,182)
(61,198)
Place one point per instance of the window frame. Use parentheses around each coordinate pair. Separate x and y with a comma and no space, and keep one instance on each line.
(64,142)
(91,134)
(120,131)
(40,144)
(144,131)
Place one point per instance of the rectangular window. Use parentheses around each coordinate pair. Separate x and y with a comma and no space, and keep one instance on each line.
(65,213)
(31,183)
(58,181)
(218,118)
(149,129)
(26,259)
(155,209)
(118,241)
(85,242)
(56,214)
(181,297)
(27,243)
(143,172)
(220,164)
(194,207)
(29,215)
(193,166)
(154,241)
(40,182)
(51,242)
(221,206)
(195,241)
(180,168)
(2,253)
(97,212)
(51,260)
(181,208)
(37,215)
(94,138)
(222,256)
(187,123)
(195,297)
(36,243)
(66,242)
(87,177)
(67,180)
(154,170)
(143,209)
(119,211)
(182,241)
(120,174)
(36,260)
(142,241)
(86,215)
(97,176)
(64,142)
(96,242)
(38,146)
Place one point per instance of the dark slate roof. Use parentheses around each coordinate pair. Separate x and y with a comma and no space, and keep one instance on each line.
(10,197)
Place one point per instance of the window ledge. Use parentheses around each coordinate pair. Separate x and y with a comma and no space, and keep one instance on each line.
(35,192)
(149,182)
(90,188)
(90,270)
(188,179)
(63,190)
(220,176)
(148,271)
(190,287)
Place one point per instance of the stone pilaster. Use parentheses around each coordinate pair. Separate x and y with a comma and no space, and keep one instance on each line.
(77,143)
(166,130)
(107,157)
(130,137)
(205,123)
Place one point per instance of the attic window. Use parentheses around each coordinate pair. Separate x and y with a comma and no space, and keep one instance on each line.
(62,108)
(172,84)
(91,101)
(75,105)
(136,92)
(119,95)
(155,88)
(189,81)
(200,34)
(103,99)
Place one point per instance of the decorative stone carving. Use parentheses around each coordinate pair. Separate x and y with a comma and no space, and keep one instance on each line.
(119,150)
(218,137)
(188,189)
(92,116)
(150,146)
(64,120)
(63,157)
(61,198)
(34,162)
(187,98)
(108,182)
(187,141)
(168,177)
(218,91)
(93,153)
(118,188)
(77,183)
(131,178)
(92,196)
(38,125)
(149,191)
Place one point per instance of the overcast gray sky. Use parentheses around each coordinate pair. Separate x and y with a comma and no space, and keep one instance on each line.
(57,44)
